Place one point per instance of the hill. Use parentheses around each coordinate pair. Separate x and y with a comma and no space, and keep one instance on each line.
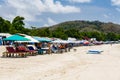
(81,30)
(88,26)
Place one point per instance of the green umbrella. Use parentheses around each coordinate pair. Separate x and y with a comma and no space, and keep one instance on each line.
(16,38)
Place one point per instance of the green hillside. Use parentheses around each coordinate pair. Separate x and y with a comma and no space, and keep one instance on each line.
(82,29)
(87,26)
(77,29)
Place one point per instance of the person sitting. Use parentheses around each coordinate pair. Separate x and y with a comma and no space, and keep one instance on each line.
(54,49)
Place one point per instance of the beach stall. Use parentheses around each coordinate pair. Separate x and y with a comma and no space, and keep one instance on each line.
(60,41)
(5,35)
(62,45)
(44,45)
(10,50)
(31,39)
(42,39)
(15,38)
(2,36)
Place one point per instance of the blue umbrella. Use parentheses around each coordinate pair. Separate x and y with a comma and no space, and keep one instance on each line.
(42,39)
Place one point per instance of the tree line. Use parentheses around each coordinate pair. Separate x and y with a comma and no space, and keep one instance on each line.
(77,29)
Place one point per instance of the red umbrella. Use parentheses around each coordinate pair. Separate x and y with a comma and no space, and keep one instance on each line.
(86,42)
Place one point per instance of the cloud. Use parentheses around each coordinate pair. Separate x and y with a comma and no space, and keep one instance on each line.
(116,2)
(80,1)
(118,9)
(50,22)
(25,8)
(57,7)
(108,15)
(31,9)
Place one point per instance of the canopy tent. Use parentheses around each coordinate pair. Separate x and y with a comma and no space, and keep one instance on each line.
(31,39)
(15,38)
(5,34)
(70,41)
(60,41)
(41,39)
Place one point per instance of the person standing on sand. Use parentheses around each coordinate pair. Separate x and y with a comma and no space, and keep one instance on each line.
(49,50)
(111,43)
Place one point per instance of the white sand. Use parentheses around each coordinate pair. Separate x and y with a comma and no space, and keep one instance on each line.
(67,66)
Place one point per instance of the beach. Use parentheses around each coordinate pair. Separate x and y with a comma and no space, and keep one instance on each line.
(66,66)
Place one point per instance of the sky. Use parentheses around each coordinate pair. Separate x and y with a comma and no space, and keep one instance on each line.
(44,13)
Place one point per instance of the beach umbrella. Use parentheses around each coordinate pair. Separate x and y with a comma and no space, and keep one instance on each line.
(31,39)
(41,39)
(70,41)
(86,42)
(60,41)
(15,38)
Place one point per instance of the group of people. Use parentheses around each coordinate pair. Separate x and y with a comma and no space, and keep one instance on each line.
(48,47)
(60,47)
(54,47)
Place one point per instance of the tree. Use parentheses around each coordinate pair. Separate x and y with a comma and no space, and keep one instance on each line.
(43,32)
(18,24)
(73,33)
(4,25)
(1,24)
(59,33)
(111,36)
(7,26)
